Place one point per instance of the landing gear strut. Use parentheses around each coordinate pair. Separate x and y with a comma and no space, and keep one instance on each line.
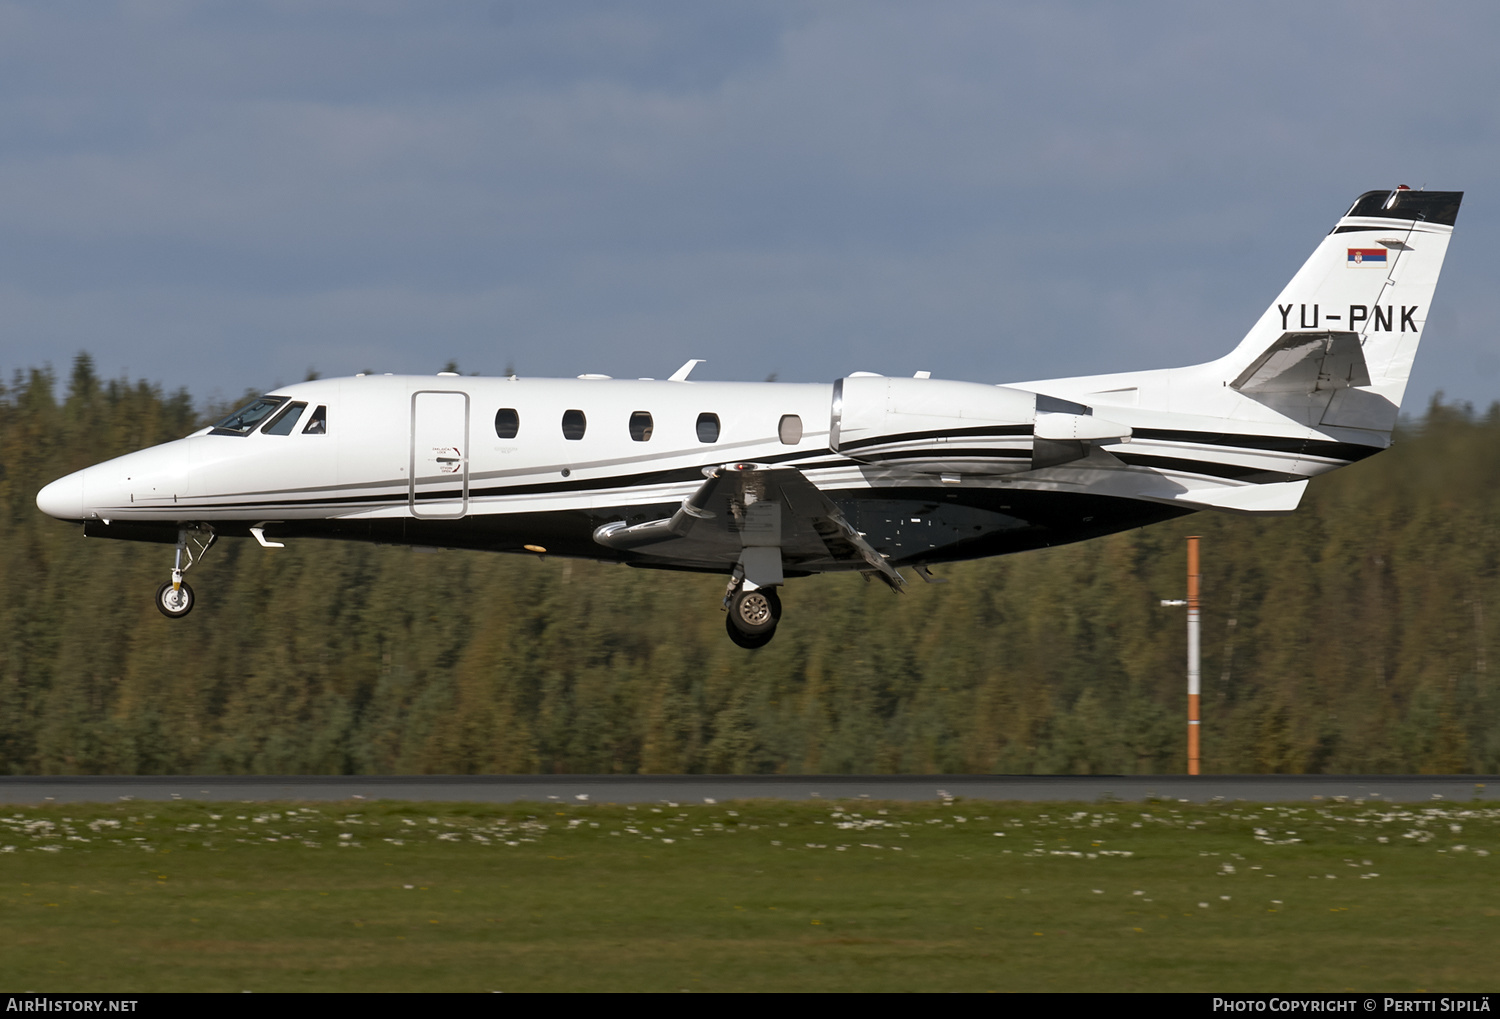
(753,614)
(175,598)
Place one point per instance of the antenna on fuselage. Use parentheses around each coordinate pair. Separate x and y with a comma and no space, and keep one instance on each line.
(681,374)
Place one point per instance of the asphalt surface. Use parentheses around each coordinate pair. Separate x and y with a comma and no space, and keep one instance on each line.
(721,788)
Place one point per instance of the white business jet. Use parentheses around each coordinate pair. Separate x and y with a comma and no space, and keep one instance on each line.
(764,482)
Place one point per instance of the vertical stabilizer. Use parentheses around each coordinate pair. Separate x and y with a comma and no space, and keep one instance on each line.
(1339,342)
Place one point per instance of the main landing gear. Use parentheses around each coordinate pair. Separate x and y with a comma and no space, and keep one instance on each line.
(175,598)
(754,613)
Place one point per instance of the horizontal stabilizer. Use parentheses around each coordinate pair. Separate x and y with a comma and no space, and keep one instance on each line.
(1307,362)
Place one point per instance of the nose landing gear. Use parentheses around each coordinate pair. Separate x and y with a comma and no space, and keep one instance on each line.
(175,598)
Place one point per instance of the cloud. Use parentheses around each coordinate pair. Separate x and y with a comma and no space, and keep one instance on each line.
(218,195)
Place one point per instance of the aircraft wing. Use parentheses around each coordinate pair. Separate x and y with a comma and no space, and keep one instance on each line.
(742,506)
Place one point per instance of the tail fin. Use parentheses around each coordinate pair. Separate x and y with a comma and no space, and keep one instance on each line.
(1336,348)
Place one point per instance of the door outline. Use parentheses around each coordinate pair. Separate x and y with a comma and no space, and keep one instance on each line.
(463,500)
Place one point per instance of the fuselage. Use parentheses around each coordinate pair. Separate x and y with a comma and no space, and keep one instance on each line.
(929,470)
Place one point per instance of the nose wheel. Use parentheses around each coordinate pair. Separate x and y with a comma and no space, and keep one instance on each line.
(753,616)
(174,599)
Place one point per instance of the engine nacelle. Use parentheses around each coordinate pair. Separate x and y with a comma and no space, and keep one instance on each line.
(935,426)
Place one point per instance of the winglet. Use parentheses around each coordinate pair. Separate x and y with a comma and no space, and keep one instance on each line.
(681,374)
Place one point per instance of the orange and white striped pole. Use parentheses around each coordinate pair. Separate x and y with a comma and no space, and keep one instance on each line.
(1192,637)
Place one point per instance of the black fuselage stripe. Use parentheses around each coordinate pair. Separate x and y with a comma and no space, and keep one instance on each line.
(948,453)
(1211,468)
(1347,451)
(675,476)
(808,460)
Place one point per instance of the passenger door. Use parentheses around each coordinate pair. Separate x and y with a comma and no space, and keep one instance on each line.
(439,454)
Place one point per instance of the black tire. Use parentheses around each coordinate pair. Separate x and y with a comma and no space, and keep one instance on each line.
(174,605)
(748,641)
(755,612)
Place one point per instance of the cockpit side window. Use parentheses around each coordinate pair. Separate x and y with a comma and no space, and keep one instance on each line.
(318,423)
(283,423)
(247,419)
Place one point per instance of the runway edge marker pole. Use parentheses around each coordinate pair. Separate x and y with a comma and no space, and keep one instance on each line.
(1192,641)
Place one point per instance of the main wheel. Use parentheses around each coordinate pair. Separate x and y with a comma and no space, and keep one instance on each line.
(174,604)
(755,612)
(746,640)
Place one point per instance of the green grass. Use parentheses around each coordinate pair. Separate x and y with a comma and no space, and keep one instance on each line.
(749,896)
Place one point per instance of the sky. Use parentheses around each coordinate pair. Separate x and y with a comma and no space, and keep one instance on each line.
(228,196)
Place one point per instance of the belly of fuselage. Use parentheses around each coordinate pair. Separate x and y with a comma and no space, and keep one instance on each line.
(920,526)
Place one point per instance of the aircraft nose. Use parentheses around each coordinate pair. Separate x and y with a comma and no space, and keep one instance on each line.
(63,498)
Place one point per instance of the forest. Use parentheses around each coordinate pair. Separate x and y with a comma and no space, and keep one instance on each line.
(1352,637)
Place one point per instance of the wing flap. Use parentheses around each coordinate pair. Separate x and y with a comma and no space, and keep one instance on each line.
(732,511)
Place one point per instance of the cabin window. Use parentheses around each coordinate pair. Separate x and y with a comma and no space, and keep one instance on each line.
(283,423)
(708,427)
(247,419)
(507,422)
(574,424)
(318,423)
(790,429)
(640,426)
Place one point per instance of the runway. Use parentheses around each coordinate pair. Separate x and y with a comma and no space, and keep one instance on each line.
(684,789)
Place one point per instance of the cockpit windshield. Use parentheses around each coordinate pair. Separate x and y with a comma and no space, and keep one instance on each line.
(283,423)
(245,420)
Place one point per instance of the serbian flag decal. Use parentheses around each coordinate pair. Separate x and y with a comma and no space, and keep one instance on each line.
(1366,258)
